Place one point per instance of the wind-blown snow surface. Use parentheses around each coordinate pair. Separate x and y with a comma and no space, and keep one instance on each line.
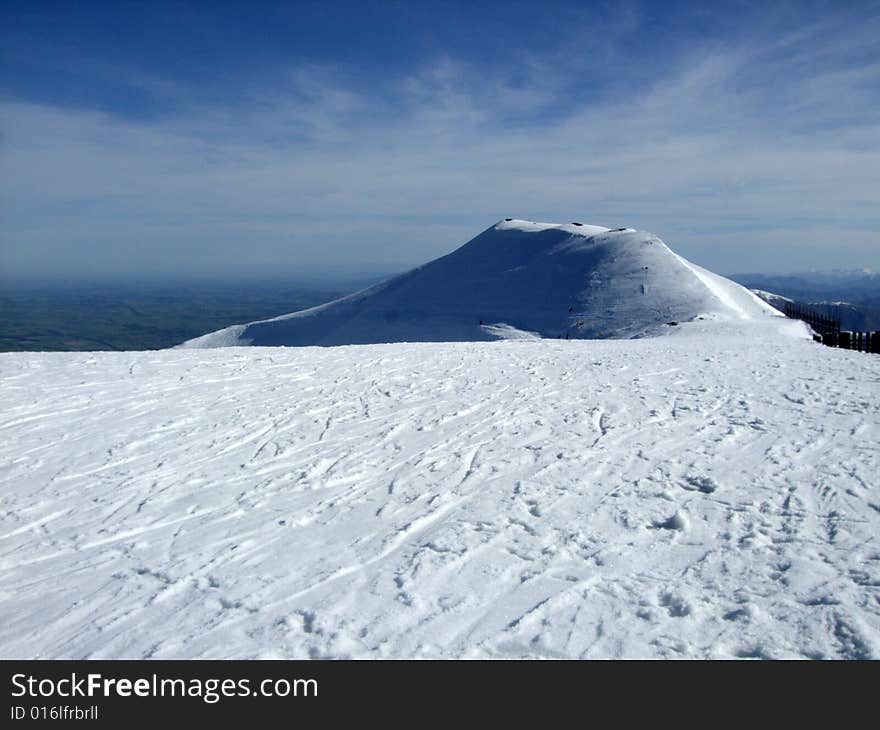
(518,279)
(689,496)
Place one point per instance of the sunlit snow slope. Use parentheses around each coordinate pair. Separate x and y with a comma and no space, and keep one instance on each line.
(709,494)
(518,279)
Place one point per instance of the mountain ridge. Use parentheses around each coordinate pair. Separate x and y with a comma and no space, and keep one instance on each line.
(547,279)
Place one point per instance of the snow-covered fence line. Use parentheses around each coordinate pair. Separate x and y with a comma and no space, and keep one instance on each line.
(828,330)
(821,323)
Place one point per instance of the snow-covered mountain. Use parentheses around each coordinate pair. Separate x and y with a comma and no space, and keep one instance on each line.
(518,279)
(708,494)
(777,301)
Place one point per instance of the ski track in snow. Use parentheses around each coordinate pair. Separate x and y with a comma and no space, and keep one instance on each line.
(686,496)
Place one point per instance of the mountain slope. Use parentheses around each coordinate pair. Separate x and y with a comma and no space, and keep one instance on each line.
(515,278)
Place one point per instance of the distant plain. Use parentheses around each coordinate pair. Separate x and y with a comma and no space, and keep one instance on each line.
(101,315)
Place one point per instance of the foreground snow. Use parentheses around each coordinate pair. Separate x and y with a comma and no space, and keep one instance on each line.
(686,496)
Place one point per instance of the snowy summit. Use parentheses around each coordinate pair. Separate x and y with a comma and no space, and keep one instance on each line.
(519,279)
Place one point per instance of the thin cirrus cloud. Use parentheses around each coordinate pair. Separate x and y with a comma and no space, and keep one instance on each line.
(757,152)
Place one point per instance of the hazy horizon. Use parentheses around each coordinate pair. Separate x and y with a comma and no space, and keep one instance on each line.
(299,140)
(319,276)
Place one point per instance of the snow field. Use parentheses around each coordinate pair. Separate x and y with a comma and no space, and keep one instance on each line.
(689,496)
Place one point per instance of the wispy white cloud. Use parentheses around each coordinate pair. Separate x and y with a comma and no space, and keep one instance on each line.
(743,155)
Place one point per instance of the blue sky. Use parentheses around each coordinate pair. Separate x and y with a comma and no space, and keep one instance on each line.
(253,139)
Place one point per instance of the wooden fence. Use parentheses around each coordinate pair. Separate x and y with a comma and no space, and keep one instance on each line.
(828,330)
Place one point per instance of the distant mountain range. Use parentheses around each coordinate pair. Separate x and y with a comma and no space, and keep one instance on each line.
(851,296)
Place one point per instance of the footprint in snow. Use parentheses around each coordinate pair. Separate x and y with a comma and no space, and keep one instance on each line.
(704,484)
(678,521)
(676,606)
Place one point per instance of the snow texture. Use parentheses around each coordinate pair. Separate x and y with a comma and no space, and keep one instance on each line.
(523,279)
(712,493)
(775,300)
